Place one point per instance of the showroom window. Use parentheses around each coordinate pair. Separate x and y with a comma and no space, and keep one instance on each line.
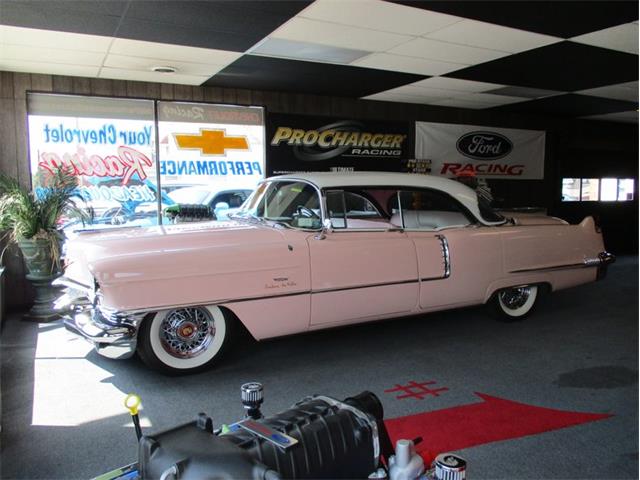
(597,189)
(139,161)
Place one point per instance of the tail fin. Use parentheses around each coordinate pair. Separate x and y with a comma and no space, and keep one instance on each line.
(589,223)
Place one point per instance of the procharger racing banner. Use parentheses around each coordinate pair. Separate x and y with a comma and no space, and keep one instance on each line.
(483,152)
(300,143)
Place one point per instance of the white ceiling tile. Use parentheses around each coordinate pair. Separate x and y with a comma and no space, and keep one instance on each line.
(50,55)
(137,48)
(456,84)
(49,68)
(176,78)
(146,65)
(281,48)
(461,103)
(490,99)
(621,37)
(416,91)
(623,91)
(325,33)
(400,63)
(496,37)
(397,97)
(626,117)
(446,52)
(51,39)
(377,15)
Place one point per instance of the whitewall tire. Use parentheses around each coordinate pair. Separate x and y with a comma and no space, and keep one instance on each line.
(184,340)
(511,304)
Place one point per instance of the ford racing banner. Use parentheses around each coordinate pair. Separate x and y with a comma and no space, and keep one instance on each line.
(299,143)
(484,152)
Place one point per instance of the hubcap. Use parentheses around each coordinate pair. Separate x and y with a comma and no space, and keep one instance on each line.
(187,332)
(515,298)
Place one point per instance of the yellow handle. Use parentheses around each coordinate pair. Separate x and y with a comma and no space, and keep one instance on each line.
(132,403)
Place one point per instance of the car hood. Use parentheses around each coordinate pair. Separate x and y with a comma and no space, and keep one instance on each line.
(116,253)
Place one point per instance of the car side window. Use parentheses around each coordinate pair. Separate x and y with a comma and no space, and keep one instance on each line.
(427,210)
(353,210)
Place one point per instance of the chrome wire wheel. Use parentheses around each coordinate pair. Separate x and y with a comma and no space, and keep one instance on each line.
(517,302)
(187,332)
(515,298)
(184,340)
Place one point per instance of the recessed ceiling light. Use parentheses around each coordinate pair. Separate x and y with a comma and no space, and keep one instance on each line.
(164,69)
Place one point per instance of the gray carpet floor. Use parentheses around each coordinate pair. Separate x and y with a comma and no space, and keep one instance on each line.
(62,413)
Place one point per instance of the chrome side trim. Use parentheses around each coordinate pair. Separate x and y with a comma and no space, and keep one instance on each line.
(225,301)
(446,258)
(603,259)
(371,285)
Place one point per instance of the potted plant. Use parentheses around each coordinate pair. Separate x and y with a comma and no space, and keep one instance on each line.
(32,221)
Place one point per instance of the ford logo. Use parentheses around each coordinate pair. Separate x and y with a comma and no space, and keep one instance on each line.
(484,145)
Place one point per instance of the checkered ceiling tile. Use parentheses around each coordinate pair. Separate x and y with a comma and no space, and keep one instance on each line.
(576,58)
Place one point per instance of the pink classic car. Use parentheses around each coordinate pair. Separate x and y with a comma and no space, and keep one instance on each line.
(314,251)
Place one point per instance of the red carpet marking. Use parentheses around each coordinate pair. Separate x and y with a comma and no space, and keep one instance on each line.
(492,420)
(416,390)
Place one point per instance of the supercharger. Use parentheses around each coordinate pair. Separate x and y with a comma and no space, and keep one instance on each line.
(319,437)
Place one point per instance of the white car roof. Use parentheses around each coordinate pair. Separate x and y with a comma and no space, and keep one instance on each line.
(465,195)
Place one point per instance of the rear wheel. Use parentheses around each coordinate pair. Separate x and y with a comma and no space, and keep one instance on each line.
(515,303)
(184,340)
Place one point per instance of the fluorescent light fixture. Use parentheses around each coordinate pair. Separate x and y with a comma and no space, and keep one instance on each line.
(277,47)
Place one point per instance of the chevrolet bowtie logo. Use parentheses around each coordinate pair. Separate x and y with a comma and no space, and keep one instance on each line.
(212,142)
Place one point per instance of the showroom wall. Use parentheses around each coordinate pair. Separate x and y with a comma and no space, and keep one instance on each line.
(573,148)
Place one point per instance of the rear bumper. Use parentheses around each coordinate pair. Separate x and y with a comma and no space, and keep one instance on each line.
(605,259)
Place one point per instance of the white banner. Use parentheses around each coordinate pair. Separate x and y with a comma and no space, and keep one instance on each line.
(484,152)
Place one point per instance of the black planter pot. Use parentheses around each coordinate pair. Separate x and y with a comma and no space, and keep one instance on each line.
(41,272)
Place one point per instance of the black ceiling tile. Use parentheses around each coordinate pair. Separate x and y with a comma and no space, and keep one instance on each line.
(52,16)
(135,29)
(569,105)
(563,66)
(265,73)
(110,7)
(249,20)
(563,19)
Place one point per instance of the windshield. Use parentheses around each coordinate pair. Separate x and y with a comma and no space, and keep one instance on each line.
(294,204)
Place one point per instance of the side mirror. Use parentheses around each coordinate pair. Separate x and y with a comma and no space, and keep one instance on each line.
(327,227)
(222,206)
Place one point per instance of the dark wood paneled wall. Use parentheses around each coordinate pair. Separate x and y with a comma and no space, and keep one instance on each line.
(14,140)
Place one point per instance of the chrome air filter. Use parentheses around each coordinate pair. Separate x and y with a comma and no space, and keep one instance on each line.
(449,467)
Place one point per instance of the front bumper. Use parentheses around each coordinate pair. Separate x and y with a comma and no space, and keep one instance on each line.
(109,340)
(113,334)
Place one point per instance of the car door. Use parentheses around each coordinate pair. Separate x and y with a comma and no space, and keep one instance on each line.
(364,269)
(457,258)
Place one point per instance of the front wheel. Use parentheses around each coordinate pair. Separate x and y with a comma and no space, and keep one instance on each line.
(184,340)
(511,304)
